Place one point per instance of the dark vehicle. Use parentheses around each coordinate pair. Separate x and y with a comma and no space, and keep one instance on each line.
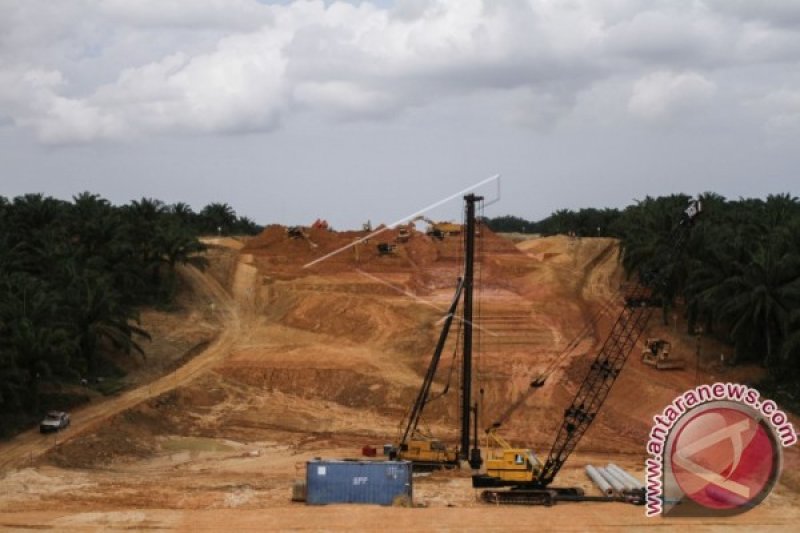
(54,421)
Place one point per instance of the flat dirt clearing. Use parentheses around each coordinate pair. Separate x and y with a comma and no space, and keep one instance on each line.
(318,362)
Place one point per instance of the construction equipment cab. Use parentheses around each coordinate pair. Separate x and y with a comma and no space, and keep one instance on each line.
(658,353)
(511,465)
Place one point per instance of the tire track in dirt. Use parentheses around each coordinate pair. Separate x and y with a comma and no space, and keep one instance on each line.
(31,444)
(591,279)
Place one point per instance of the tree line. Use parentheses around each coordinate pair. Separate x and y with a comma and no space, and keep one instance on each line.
(586,222)
(738,277)
(73,275)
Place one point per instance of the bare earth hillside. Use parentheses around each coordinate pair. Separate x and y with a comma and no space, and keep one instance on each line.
(286,363)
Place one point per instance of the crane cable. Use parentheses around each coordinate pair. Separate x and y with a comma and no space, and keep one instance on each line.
(480,378)
(540,380)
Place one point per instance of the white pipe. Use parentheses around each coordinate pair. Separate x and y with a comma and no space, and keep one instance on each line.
(637,484)
(613,481)
(599,480)
(626,484)
(620,474)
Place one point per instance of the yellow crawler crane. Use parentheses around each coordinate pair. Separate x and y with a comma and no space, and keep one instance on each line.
(527,481)
(516,465)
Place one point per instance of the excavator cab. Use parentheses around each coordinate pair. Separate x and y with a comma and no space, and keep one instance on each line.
(508,466)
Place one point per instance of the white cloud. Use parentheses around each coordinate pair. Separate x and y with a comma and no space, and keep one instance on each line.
(231,14)
(661,95)
(127,69)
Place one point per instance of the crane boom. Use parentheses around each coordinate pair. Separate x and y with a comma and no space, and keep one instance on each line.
(512,468)
(612,356)
(424,391)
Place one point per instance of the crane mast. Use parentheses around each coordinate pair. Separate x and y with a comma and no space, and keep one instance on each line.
(432,452)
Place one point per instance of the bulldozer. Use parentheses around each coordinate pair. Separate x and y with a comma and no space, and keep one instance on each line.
(657,353)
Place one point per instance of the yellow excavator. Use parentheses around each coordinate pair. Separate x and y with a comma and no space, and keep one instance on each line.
(440,230)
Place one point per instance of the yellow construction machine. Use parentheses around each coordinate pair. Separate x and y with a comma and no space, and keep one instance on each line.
(440,230)
(516,465)
(526,478)
(427,452)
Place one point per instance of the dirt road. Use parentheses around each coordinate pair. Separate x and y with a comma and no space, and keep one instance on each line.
(29,445)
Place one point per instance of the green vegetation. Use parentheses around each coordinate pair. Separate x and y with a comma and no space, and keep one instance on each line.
(72,278)
(738,277)
(587,222)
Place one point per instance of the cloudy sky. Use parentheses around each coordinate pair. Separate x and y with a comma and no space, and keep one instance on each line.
(361,110)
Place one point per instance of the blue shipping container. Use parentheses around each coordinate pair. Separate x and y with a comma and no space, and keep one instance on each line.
(336,481)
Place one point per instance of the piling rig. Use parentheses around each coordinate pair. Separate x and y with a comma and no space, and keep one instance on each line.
(426,451)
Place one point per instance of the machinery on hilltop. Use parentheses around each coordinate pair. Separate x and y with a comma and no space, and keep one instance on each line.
(439,230)
(528,478)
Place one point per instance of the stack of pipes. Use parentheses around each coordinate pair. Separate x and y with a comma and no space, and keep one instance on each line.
(637,485)
(599,480)
(613,479)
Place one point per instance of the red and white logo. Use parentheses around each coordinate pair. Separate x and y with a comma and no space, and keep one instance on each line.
(724,458)
(721,458)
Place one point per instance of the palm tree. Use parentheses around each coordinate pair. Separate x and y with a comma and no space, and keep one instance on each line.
(246,226)
(758,297)
(183,212)
(790,350)
(99,313)
(143,218)
(34,340)
(218,218)
(647,247)
(178,244)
